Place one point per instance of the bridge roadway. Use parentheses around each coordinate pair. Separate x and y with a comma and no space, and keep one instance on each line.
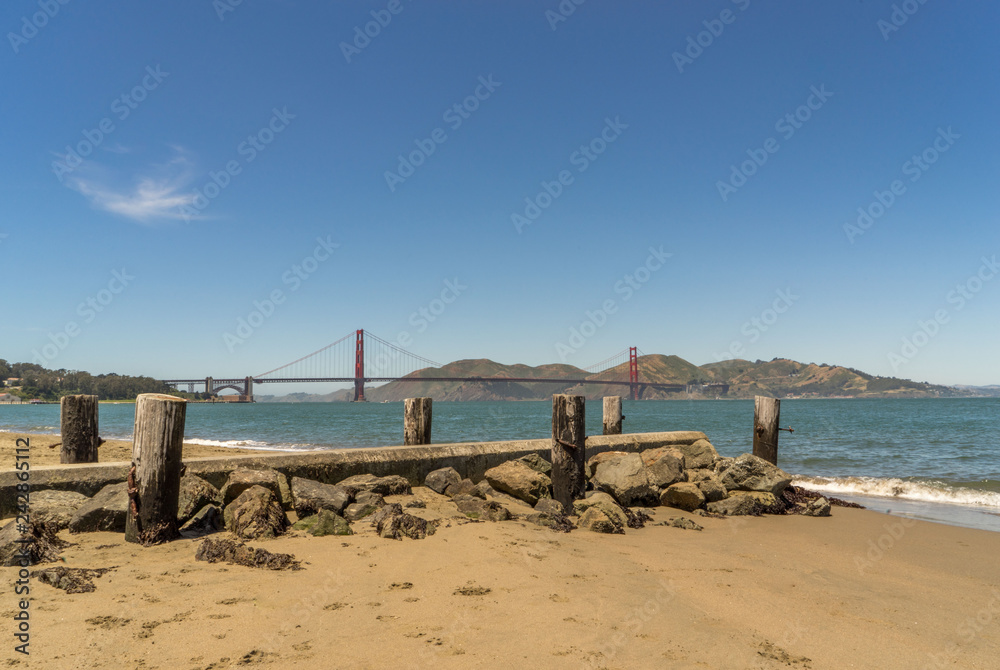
(528,380)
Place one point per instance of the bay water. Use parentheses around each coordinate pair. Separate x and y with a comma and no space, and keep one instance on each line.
(934,459)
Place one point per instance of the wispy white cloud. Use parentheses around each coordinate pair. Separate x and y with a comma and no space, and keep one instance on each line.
(159,192)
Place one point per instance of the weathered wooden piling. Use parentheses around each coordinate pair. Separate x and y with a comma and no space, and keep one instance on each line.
(417,421)
(613,415)
(569,437)
(78,425)
(154,480)
(766,415)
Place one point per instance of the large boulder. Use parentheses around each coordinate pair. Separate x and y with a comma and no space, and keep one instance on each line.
(393,523)
(597,521)
(624,477)
(712,490)
(664,466)
(105,511)
(520,481)
(698,454)
(391,485)
(751,473)
(324,523)
(476,508)
(440,479)
(817,507)
(242,479)
(462,488)
(605,503)
(597,459)
(309,497)
(365,504)
(537,463)
(195,493)
(58,506)
(683,495)
(256,514)
(736,505)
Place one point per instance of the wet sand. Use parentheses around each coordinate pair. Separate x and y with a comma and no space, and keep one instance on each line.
(857,590)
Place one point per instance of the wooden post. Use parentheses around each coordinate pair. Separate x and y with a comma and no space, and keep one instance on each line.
(154,480)
(613,415)
(78,426)
(569,481)
(417,421)
(766,414)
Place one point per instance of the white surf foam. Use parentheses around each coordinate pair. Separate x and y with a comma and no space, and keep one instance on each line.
(248,444)
(935,492)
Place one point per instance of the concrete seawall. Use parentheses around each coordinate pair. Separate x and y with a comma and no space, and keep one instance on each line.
(471,459)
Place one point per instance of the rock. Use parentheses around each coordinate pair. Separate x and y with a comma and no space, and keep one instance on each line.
(483,490)
(70,580)
(698,454)
(195,493)
(105,511)
(735,506)
(309,497)
(207,520)
(817,507)
(597,459)
(593,519)
(557,522)
(476,508)
(358,511)
(416,503)
(712,490)
(393,523)
(242,479)
(370,498)
(237,553)
(393,485)
(58,506)
(520,481)
(549,506)
(324,523)
(256,514)
(750,473)
(439,480)
(765,500)
(624,477)
(700,475)
(462,488)
(605,503)
(681,522)
(683,495)
(537,463)
(41,546)
(664,466)
(722,463)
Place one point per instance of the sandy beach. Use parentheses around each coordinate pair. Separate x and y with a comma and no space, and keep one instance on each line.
(45,450)
(746,592)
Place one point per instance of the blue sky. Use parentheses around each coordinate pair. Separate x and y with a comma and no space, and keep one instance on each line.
(228,145)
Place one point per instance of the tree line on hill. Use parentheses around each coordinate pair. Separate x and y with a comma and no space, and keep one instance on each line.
(38,382)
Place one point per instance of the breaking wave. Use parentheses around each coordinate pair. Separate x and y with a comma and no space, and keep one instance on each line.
(920,491)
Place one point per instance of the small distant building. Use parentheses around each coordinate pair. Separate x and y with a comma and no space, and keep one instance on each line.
(36,401)
(9,399)
(12,381)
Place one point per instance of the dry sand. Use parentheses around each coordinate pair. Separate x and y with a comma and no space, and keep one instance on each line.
(44,450)
(768,592)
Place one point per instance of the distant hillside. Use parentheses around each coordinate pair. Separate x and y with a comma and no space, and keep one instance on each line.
(780,378)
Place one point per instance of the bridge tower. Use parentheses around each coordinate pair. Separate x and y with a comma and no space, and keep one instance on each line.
(359,367)
(633,372)
(248,388)
(208,385)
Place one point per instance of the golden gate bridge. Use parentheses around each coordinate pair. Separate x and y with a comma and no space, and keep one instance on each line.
(357,360)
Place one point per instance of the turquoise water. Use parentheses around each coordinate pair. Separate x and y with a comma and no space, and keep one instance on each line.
(931,453)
